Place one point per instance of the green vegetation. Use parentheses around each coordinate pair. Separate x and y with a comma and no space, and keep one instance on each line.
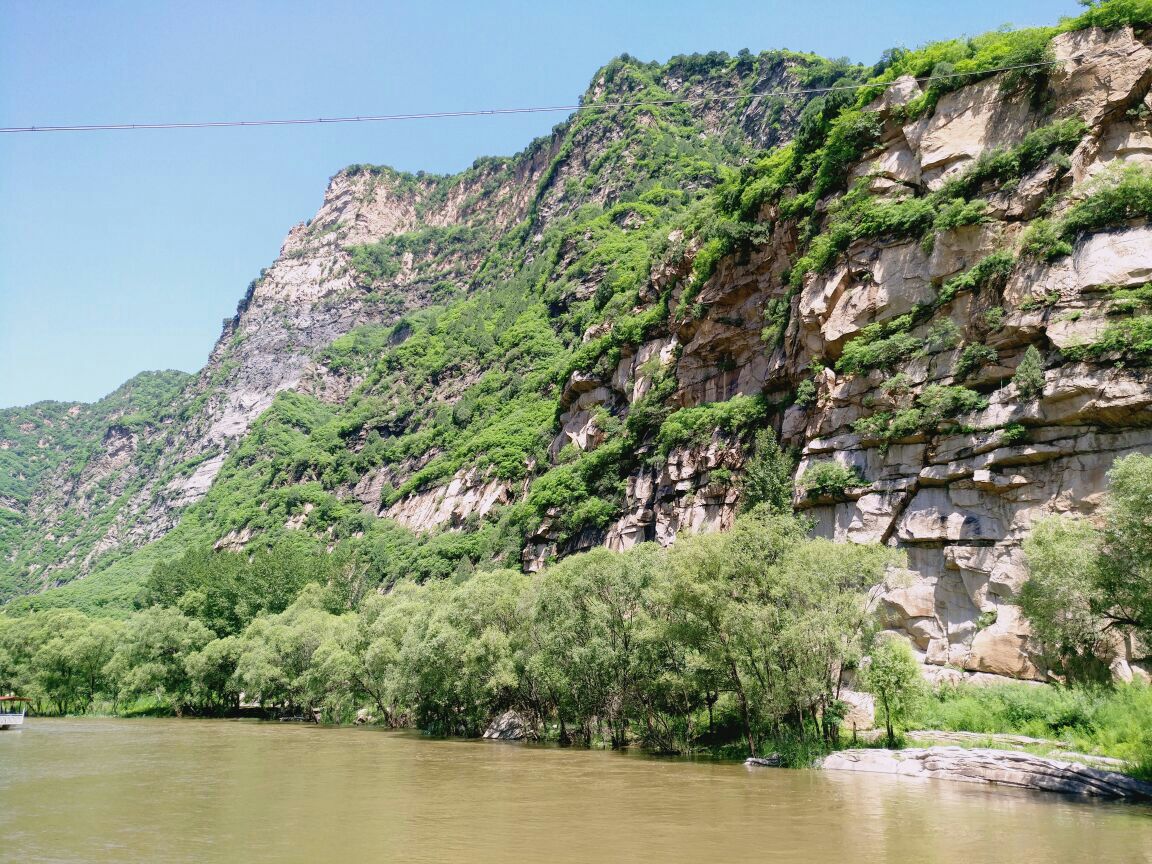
(974,357)
(1111,721)
(1110,201)
(859,215)
(1029,374)
(827,478)
(723,637)
(43,438)
(893,676)
(1112,14)
(879,346)
(472,382)
(929,410)
(696,425)
(768,475)
(1088,584)
(991,273)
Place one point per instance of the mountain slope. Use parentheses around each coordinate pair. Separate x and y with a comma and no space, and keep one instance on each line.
(935,295)
(384,244)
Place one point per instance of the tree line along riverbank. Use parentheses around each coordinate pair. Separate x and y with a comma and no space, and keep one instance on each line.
(733,643)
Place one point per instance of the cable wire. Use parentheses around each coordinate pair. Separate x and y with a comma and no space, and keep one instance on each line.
(435,115)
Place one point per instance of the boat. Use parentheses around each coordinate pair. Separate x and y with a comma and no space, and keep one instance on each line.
(9,716)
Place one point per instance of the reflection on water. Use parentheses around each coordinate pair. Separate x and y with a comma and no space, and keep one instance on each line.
(206,791)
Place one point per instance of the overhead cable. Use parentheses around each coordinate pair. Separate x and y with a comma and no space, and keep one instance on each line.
(434,115)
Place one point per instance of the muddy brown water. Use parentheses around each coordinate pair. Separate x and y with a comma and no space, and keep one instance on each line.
(88,790)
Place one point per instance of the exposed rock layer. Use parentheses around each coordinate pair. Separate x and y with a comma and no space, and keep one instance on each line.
(997,767)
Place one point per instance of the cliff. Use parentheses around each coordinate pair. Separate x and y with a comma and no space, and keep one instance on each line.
(584,344)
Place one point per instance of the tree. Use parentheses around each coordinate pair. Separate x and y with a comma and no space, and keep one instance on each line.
(280,657)
(589,614)
(149,659)
(768,475)
(212,674)
(893,677)
(1060,598)
(1029,375)
(1125,574)
(457,662)
(1084,584)
(776,613)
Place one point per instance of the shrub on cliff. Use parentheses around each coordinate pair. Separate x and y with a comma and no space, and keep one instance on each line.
(879,346)
(828,478)
(1114,198)
(768,475)
(1029,375)
(1111,14)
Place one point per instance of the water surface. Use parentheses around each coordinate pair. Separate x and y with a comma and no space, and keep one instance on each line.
(213,791)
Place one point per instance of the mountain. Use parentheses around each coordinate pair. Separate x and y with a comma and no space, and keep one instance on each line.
(933,294)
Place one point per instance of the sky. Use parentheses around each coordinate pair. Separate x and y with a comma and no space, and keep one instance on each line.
(124,251)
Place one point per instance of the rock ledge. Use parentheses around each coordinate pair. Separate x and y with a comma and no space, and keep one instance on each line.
(1003,767)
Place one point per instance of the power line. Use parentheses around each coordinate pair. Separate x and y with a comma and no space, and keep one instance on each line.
(435,115)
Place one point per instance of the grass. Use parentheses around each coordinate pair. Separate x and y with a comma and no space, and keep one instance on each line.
(1106,721)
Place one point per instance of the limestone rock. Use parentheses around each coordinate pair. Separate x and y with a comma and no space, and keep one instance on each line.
(998,767)
(1099,71)
(510,726)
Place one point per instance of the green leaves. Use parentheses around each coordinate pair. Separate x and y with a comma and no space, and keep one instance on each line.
(893,676)
(829,478)
(1029,375)
(1085,582)
(1109,201)
(690,426)
(879,346)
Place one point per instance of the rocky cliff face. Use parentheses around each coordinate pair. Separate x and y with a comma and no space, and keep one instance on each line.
(959,499)
(878,325)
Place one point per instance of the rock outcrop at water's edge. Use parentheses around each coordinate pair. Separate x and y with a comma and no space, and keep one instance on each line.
(997,767)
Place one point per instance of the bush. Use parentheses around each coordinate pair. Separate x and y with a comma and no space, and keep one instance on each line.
(1029,375)
(1131,339)
(1111,15)
(1003,166)
(1112,199)
(690,426)
(974,357)
(958,213)
(991,272)
(879,346)
(828,478)
(934,405)
(805,393)
(767,475)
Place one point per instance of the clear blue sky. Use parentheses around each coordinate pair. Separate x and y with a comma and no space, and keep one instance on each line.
(122,251)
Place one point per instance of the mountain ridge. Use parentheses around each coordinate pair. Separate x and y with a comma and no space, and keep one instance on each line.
(583,344)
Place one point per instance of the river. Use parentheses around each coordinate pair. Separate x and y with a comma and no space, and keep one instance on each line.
(95,790)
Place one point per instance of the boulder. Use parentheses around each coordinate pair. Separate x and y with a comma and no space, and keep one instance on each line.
(1001,649)
(510,726)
